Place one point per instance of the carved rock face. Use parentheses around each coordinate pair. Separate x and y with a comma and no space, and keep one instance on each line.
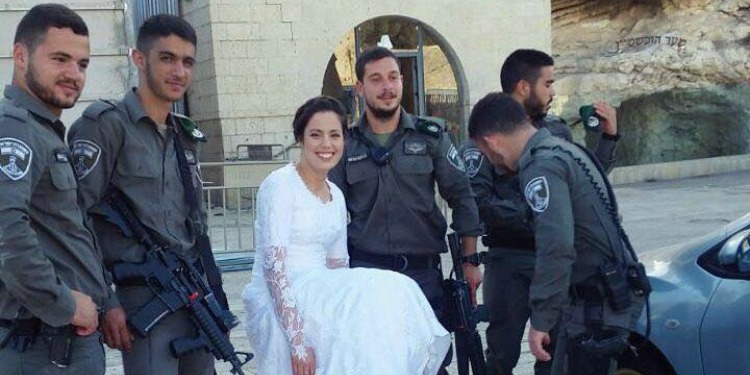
(692,56)
(682,124)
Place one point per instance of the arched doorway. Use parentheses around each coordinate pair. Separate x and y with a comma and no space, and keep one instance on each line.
(434,83)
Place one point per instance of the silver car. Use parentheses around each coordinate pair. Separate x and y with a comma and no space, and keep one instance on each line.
(699,307)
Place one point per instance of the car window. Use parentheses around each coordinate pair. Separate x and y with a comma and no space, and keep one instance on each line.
(716,263)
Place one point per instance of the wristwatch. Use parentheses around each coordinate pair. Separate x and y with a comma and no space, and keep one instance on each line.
(471,259)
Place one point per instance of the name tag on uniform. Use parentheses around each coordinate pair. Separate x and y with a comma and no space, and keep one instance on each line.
(356,158)
(190,156)
(62,155)
(417,147)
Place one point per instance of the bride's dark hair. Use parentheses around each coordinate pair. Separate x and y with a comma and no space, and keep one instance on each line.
(317,104)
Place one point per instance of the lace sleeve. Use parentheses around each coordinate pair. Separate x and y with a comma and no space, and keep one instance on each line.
(284,303)
(338,254)
(275,207)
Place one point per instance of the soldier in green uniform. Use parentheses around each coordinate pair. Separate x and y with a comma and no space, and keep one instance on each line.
(51,277)
(528,76)
(388,173)
(585,272)
(133,145)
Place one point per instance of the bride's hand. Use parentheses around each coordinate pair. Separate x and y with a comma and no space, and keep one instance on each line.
(305,365)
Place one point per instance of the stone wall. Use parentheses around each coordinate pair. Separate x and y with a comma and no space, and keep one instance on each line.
(268,56)
(679,69)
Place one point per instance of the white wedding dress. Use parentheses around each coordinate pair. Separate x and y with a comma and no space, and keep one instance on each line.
(302,293)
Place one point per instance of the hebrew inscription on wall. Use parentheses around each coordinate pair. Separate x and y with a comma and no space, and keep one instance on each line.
(641,42)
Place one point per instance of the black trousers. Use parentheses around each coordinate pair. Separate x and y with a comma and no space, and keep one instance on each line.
(507,278)
(431,283)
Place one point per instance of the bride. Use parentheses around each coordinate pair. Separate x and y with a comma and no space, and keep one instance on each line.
(307,312)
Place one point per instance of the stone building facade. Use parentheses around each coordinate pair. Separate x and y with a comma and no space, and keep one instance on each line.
(258,60)
(677,69)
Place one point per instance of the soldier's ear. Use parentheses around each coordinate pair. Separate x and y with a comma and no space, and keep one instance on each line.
(20,56)
(139,58)
(358,88)
(523,87)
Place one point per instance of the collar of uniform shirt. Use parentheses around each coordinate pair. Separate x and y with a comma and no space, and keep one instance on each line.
(22,99)
(533,141)
(133,106)
(405,122)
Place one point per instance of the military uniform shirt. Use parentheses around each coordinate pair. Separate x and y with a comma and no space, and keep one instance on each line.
(502,208)
(121,147)
(501,205)
(574,231)
(392,207)
(45,248)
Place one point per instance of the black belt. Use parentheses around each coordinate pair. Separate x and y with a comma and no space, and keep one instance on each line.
(34,326)
(397,262)
(23,334)
(31,324)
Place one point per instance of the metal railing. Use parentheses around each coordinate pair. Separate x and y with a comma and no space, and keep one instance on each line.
(230,218)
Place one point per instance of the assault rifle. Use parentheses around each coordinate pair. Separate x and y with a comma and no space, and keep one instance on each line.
(464,316)
(177,285)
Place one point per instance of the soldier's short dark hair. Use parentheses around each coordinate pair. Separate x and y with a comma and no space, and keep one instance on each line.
(39,19)
(497,112)
(315,105)
(370,55)
(523,64)
(162,26)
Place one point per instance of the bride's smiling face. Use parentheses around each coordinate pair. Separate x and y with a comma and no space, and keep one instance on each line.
(323,141)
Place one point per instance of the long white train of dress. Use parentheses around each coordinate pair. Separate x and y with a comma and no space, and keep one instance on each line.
(302,294)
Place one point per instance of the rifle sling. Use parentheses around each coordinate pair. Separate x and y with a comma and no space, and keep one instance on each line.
(208,263)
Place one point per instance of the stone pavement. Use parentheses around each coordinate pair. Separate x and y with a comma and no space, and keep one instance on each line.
(655,214)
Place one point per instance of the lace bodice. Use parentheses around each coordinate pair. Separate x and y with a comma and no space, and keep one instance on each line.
(296,233)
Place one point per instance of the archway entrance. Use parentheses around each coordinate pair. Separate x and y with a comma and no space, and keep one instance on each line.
(434,84)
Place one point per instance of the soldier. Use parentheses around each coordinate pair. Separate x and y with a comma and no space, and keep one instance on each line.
(51,278)
(139,147)
(528,75)
(388,173)
(583,255)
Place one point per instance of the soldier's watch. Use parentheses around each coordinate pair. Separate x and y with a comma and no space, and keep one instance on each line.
(471,259)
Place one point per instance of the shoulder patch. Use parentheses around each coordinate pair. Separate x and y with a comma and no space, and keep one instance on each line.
(537,194)
(85,157)
(15,158)
(473,161)
(97,109)
(454,159)
(189,128)
(432,126)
